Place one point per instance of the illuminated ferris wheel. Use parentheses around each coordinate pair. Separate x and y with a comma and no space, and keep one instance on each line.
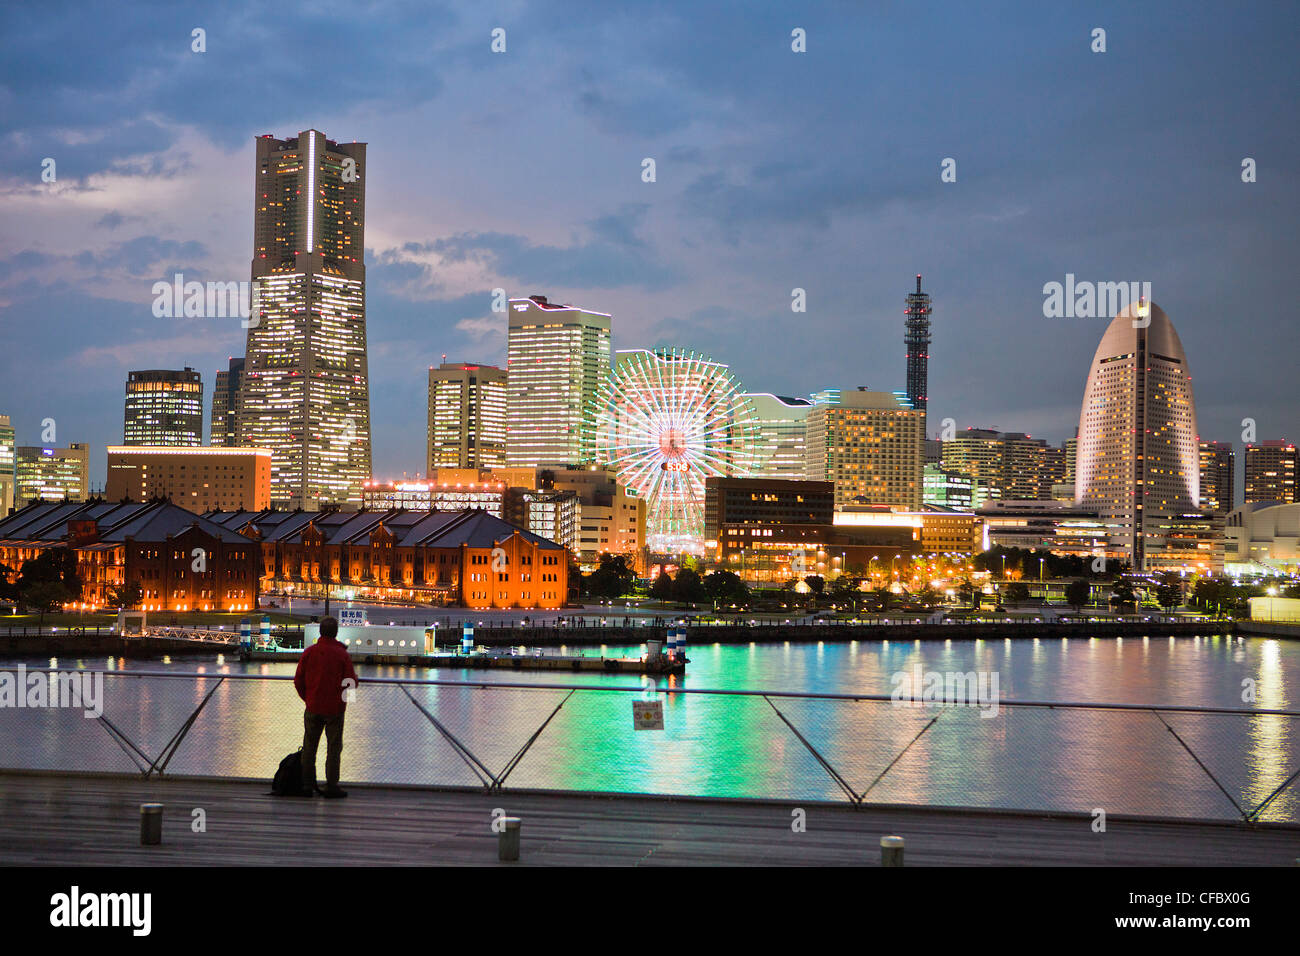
(665,421)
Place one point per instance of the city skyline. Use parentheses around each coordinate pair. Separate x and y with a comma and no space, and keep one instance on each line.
(747,206)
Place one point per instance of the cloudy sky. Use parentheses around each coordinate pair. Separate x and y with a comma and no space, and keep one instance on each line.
(775,170)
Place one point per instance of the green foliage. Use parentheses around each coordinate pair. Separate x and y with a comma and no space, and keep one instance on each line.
(1077,593)
(1017,592)
(688,586)
(1169,593)
(126,596)
(1122,592)
(725,587)
(612,579)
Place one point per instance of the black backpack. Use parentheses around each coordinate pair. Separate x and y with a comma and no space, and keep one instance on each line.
(288,778)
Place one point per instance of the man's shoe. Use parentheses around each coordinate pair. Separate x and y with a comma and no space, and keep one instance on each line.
(334,793)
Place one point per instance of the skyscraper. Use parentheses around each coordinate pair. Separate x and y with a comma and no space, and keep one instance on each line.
(467,417)
(306,391)
(8,466)
(782,434)
(1271,468)
(557,360)
(1218,468)
(917,339)
(223,429)
(870,445)
(52,474)
(1138,462)
(163,407)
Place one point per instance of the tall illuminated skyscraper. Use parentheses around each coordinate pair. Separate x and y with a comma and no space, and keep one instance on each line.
(1271,468)
(163,407)
(306,391)
(782,436)
(467,417)
(223,429)
(558,358)
(1138,457)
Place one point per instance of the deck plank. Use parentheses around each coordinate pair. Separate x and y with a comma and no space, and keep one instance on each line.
(93,820)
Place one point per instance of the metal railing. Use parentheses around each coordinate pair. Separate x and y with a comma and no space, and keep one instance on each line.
(1028,755)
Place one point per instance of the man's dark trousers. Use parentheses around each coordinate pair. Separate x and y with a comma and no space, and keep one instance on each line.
(313,724)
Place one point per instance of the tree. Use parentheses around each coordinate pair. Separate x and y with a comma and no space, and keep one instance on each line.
(1122,593)
(612,579)
(54,564)
(1077,593)
(662,588)
(816,583)
(688,586)
(1017,592)
(845,588)
(927,596)
(8,587)
(968,592)
(725,587)
(45,596)
(882,599)
(1169,593)
(126,596)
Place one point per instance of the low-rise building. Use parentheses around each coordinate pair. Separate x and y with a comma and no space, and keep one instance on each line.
(197,478)
(181,561)
(467,558)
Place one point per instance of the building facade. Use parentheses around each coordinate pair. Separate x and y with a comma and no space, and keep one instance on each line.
(558,359)
(456,558)
(180,561)
(163,407)
(306,389)
(1218,464)
(8,466)
(52,474)
(1271,472)
(1138,457)
(467,417)
(223,427)
(780,449)
(869,445)
(197,479)
(611,518)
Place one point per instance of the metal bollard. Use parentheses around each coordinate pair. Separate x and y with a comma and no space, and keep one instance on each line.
(508,840)
(151,824)
(891,851)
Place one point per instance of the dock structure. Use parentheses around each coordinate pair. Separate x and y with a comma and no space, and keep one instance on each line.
(88,820)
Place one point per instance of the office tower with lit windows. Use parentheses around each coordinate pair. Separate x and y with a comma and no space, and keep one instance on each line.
(163,407)
(1271,468)
(306,389)
(558,359)
(52,474)
(782,422)
(223,428)
(1218,471)
(467,417)
(870,445)
(917,339)
(8,466)
(1138,460)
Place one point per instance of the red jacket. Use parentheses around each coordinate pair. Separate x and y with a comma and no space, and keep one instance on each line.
(320,675)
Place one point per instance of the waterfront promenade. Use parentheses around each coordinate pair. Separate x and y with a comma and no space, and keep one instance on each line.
(93,820)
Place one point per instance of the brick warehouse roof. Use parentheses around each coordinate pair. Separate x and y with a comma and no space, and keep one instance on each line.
(47,522)
(472,527)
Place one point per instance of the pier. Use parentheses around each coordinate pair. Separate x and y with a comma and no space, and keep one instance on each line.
(517,662)
(89,820)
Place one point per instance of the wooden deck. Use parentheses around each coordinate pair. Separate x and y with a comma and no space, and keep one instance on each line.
(88,820)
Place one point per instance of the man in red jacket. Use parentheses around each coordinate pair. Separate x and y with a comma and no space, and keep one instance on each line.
(324,678)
